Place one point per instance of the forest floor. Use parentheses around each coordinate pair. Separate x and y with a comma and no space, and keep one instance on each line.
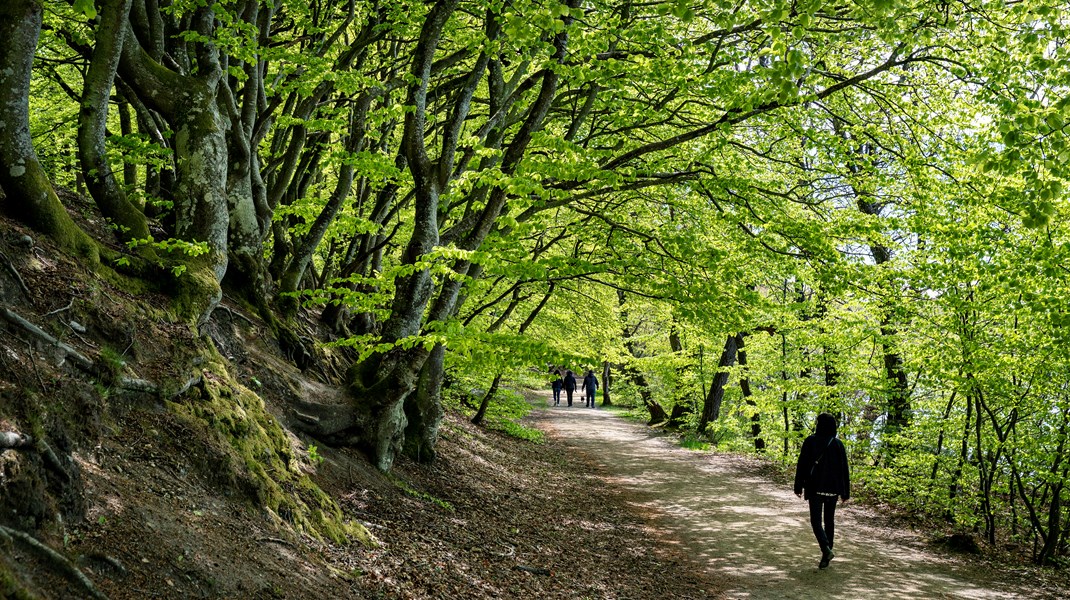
(737,518)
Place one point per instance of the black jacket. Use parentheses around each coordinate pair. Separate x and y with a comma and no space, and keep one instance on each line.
(570,382)
(831,473)
(590,382)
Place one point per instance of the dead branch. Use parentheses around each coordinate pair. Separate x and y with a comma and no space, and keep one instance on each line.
(535,570)
(61,561)
(59,310)
(18,278)
(276,540)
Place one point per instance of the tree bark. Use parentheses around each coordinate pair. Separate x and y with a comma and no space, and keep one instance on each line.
(711,408)
(29,196)
(129,221)
(606,401)
(744,387)
(382,383)
(423,409)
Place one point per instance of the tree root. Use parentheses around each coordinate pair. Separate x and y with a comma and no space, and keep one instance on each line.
(534,570)
(76,357)
(7,534)
(10,439)
(84,363)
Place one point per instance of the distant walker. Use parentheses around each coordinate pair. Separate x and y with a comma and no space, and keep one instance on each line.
(823,473)
(590,384)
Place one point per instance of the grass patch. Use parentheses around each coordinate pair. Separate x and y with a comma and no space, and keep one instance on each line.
(514,429)
(691,442)
(415,493)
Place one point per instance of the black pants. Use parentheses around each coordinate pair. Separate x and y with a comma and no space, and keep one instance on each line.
(569,393)
(824,535)
(590,398)
(557,396)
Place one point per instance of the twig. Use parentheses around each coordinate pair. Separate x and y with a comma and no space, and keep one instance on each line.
(18,278)
(535,570)
(56,557)
(59,310)
(33,361)
(277,541)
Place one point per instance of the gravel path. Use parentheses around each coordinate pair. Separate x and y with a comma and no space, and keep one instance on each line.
(756,534)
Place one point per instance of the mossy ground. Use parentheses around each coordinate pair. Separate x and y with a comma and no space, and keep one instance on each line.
(265,457)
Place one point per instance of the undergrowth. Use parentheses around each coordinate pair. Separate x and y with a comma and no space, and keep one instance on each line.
(411,491)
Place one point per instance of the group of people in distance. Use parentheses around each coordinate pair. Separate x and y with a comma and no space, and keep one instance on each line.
(567,382)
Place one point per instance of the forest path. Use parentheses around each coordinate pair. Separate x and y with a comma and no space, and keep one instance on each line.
(756,534)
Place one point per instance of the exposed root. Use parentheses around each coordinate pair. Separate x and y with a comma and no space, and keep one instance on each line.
(58,559)
(84,363)
(11,439)
(76,357)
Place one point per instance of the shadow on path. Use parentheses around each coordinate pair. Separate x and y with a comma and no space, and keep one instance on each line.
(754,534)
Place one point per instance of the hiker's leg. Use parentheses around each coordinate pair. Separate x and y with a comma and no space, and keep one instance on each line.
(816,503)
(830,519)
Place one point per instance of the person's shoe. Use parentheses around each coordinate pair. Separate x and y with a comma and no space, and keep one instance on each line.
(825,559)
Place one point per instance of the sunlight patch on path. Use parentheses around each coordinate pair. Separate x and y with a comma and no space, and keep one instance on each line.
(750,531)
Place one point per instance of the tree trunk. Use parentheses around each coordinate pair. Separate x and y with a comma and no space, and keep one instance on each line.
(29,196)
(130,223)
(382,382)
(605,384)
(711,409)
(744,386)
(657,412)
(423,409)
(481,412)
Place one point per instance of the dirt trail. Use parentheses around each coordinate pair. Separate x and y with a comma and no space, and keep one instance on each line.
(756,534)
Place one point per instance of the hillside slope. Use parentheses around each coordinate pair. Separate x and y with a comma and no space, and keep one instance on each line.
(150,460)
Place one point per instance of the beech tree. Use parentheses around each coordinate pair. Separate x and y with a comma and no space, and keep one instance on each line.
(865,193)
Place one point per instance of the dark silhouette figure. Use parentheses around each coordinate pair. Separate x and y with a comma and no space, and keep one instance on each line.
(590,384)
(556,385)
(570,385)
(823,473)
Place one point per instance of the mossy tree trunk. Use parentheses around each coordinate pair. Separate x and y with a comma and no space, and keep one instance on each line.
(128,220)
(201,199)
(29,196)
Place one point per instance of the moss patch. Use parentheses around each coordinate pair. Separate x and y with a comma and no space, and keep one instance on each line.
(262,456)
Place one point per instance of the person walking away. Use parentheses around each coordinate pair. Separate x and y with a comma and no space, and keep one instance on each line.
(556,385)
(570,385)
(823,474)
(590,384)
